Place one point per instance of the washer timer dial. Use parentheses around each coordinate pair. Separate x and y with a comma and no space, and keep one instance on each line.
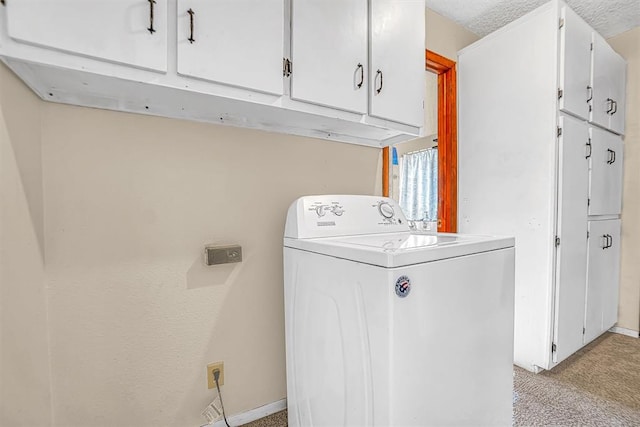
(386,210)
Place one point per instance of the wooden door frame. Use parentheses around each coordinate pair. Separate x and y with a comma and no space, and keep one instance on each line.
(447,143)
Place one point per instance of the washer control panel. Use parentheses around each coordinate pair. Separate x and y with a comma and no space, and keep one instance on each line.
(339,215)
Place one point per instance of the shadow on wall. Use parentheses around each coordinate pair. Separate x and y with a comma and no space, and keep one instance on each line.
(20,108)
(201,275)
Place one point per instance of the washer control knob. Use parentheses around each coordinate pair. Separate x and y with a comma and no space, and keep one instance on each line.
(320,210)
(337,210)
(386,210)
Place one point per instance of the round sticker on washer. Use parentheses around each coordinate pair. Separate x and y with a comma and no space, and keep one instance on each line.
(403,286)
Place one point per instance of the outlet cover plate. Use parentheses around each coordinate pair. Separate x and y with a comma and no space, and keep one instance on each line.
(211,383)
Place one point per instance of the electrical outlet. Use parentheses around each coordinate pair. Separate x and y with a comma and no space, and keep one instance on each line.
(211,368)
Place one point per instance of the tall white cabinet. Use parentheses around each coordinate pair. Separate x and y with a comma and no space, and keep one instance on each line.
(540,156)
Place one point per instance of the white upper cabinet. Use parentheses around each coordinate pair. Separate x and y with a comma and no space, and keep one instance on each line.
(397,58)
(299,67)
(618,68)
(601,311)
(608,79)
(329,53)
(234,42)
(600,82)
(575,64)
(605,176)
(132,32)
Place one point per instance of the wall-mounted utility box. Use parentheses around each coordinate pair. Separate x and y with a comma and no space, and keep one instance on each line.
(215,255)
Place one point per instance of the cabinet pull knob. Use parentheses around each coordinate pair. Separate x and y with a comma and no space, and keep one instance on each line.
(615,107)
(609,105)
(379,88)
(151,3)
(361,68)
(191,13)
(608,241)
(589,147)
(590,92)
(611,156)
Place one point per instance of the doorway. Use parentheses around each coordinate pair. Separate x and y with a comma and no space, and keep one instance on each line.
(447,145)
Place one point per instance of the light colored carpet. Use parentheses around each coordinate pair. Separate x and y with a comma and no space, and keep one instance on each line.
(597,386)
(279,419)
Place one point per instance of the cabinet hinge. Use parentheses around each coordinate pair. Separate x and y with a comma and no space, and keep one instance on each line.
(561,23)
(587,234)
(557,241)
(583,330)
(559,131)
(591,46)
(287,67)
(553,347)
(588,202)
(560,93)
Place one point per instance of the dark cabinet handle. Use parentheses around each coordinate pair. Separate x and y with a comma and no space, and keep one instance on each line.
(608,241)
(615,107)
(589,147)
(613,160)
(151,3)
(609,105)
(590,92)
(611,156)
(361,68)
(379,88)
(191,13)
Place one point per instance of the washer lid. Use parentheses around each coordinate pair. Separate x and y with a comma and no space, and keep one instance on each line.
(400,249)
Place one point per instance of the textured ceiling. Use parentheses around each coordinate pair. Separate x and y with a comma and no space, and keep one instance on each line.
(608,17)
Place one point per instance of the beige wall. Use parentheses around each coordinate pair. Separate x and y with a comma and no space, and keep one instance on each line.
(25,383)
(445,37)
(129,203)
(628,45)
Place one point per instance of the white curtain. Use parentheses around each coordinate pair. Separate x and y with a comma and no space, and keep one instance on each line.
(419,185)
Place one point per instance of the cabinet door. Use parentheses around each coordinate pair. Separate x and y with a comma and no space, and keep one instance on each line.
(600,82)
(575,64)
(234,42)
(132,32)
(397,61)
(603,277)
(571,266)
(609,85)
(605,176)
(618,67)
(329,53)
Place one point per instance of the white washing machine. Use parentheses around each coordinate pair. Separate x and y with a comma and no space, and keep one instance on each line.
(385,327)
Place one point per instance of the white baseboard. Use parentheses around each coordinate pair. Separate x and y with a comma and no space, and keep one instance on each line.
(253,414)
(624,331)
